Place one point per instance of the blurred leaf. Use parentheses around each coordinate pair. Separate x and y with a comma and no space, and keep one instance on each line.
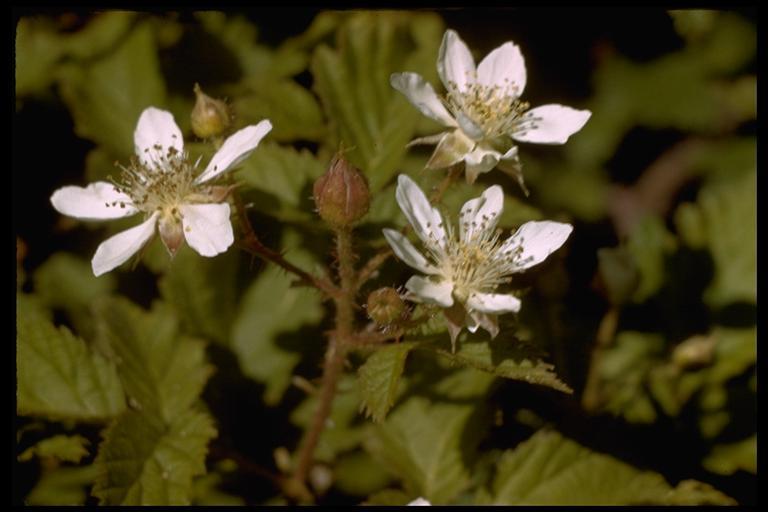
(293,110)
(281,171)
(38,48)
(507,358)
(356,473)
(549,469)
(240,35)
(66,281)
(727,459)
(203,291)
(207,492)
(340,434)
(694,24)
(693,492)
(735,352)
(100,34)
(58,376)
(162,373)
(428,440)
(144,461)
(106,96)
(63,486)
(725,214)
(61,447)
(618,273)
(271,310)
(388,497)
(378,378)
(370,117)
(623,370)
(648,243)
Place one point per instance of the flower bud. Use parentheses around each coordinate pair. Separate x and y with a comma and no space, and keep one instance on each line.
(210,117)
(341,194)
(385,306)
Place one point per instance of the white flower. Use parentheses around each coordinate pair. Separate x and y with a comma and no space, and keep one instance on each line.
(483,109)
(163,185)
(419,502)
(464,270)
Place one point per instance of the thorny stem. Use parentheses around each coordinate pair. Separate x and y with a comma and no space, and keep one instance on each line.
(340,341)
(377,260)
(253,246)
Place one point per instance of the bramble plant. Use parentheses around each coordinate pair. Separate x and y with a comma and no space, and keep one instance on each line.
(273,345)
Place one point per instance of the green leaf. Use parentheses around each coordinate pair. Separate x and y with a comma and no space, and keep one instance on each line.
(648,243)
(38,48)
(162,372)
(283,172)
(65,448)
(725,215)
(203,291)
(293,110)
(506,358)
(428,441)
(378,378)
(370,117)
(389,497)
(66,281)
(58,376)
(63,486)
(693,492)
(144,461)
(268,320)
(549,469)
(107,96)
(356,473)
(727,459)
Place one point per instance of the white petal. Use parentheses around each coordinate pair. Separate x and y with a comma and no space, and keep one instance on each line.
(469,127)
(493,303)
(505,68)
(155,133)
(422,95)
(404,249)
(481,214)
(535,241)
(431,292)
(419,502)
(93,202)
(116,250)
(426,220)
(550,124)
(235,149)
(480,161)
(455,63)
(207,227)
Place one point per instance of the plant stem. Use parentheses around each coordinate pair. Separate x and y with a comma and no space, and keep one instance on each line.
(605,333)
(339,342)
(253,246)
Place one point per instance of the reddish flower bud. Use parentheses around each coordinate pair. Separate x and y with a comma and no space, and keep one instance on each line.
(341,194)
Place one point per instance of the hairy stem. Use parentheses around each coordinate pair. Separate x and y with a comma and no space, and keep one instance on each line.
(340,341)
(253,246)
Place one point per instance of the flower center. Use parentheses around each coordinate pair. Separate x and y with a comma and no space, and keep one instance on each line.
(161,187)
(479,263)
(492,107)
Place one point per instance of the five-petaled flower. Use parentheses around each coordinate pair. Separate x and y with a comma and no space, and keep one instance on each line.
(465,269)
(483,110)
(162,184)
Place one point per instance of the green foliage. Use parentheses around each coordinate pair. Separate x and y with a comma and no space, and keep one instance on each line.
(506,358)
(549,469)
(59,376)
(63,486)
(144,460)
(726,459)
(724,220)
(107,96)
(379,377)
(271,312)
(369,117)
(61,447)
(428,440)
(203,293)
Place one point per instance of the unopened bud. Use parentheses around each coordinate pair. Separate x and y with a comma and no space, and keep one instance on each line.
(341,194)
(385,306)
(210,117)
